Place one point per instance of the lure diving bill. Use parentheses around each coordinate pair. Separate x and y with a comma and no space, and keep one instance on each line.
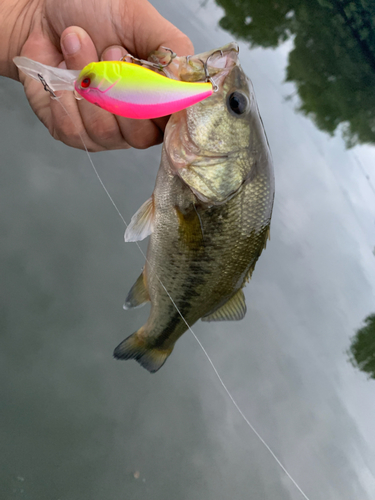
(122,88)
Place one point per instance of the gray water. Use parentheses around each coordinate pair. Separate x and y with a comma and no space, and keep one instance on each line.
(78,425)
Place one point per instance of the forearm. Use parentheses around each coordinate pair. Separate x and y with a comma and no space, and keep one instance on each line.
(18,18)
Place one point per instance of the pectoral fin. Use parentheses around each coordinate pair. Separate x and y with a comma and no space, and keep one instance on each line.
(233,310)
(190,227)
(137,295)
(142,222)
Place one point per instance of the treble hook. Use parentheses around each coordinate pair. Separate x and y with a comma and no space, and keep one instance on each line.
(152,65)
(46,87)
(173,55)
(215,87)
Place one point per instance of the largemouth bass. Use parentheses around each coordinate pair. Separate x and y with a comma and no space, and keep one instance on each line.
(209,214)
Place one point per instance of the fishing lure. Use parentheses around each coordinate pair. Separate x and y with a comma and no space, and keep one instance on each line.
(122,88)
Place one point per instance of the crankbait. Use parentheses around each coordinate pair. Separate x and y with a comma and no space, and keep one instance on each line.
(122,88)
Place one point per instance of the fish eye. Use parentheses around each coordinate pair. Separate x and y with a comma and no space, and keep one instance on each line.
(85,83)
(238,102)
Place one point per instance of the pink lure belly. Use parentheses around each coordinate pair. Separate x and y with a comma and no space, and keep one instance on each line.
(139,110)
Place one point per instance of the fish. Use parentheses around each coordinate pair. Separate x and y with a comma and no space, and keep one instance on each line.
(209,215)
(123,88)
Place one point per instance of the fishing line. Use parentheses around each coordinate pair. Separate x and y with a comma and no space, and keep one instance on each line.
(246,420)
(364,172)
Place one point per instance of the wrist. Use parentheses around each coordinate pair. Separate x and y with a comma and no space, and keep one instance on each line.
(18,18)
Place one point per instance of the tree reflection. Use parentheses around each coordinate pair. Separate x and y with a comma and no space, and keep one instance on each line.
(333,59)
(362,349)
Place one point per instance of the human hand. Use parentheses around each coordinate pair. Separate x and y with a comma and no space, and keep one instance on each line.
(86,32)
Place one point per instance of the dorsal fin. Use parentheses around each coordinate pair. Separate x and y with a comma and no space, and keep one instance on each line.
(233,310)
(142,222)
(138,295)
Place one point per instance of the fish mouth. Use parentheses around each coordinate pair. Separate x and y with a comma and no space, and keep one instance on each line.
(193,68)
(217,59)
(215,63)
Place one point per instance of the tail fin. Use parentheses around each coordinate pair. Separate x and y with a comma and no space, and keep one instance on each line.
(135,347)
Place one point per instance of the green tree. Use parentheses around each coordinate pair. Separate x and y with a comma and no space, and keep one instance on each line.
(333,60)
(362,349)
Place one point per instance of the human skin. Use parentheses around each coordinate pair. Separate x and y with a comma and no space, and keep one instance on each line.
(71,34)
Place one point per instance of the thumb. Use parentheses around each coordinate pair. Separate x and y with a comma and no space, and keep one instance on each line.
(151,30)
(77,47)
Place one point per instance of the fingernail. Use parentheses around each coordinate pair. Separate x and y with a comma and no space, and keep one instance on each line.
(71,44)
(114,54)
